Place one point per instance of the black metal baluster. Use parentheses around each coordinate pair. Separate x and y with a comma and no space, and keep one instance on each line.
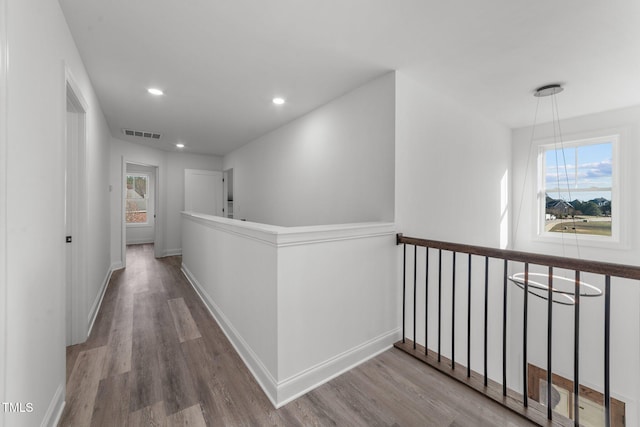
(469,320)
(486,316)
(439,298)
(576,352)
(504,330)
(415,268)
(523,259)
(607,342)
(549,342)
(453,314)
(404,285)
(525,396)
(426,301)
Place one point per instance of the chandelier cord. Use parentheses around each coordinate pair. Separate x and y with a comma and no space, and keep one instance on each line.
(554,103)
(521,279)
(555,152)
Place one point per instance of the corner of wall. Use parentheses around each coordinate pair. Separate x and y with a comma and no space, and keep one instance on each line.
(97,303)
(56,406)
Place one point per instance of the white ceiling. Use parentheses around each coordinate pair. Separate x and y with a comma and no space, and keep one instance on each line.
(221,62)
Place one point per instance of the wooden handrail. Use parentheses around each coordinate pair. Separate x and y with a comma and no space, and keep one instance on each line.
(598,267)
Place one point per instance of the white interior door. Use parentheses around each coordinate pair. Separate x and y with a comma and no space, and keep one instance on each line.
(203,191)
(76,213)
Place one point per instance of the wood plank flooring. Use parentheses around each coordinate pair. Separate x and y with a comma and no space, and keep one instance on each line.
(156,357)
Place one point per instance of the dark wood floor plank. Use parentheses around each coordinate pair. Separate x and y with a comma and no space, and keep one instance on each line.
(191,417)
(183,321)
(72,355)
(82,387)
(112,401)
(102,325)
(422,406)
(150,416)
(119,344)
(146,381)
(197,355)
(145,365)
(361,400)
(177,388)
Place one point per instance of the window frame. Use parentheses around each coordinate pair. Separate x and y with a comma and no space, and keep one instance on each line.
(146,198)
(618,197)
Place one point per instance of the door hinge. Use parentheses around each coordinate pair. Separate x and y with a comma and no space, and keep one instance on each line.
(68,239)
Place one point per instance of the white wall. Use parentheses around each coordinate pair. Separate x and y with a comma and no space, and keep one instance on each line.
(170,190)
(333,165)
(337,305)
(39,44)
(625,297)
(144,233)
(243,300)
(452,185)
(451,164)
(305,284)
(626,120)
(176,165)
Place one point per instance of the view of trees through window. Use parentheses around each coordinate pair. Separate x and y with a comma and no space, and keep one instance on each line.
(136,204)
(578,188)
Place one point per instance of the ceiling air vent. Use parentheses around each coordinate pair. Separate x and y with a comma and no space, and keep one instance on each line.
(141,134)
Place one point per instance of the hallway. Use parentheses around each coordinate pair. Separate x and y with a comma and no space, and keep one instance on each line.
(156,357)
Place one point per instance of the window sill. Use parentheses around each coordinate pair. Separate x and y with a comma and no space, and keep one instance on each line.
(599,242)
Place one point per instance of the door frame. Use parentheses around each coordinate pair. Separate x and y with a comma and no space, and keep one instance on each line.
(76,171)
(157,229)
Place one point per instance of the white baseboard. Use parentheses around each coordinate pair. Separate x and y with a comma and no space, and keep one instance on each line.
(118,265)
(54,411)
(139,241)
(95,308)
(248,356)
(311,378)
(283,392)
(172,252)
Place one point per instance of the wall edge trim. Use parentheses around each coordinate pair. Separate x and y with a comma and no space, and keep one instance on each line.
(95,308)
(172,252)
(299,384)
(56,406)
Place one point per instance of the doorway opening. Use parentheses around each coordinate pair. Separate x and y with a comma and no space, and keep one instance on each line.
(140,224)
(76,212)
(227,194)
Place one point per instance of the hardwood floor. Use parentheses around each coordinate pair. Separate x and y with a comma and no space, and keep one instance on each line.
(156,357)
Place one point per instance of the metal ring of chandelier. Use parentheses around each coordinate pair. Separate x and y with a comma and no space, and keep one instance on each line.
(541,290)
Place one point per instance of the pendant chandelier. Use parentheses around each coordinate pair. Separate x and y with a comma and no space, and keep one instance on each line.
(535,283)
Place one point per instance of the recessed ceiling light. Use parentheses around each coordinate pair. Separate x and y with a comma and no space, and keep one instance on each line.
(155,91)
(278,101)
(180,145)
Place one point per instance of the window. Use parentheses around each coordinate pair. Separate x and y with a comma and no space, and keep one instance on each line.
(137,197)
(577,191)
